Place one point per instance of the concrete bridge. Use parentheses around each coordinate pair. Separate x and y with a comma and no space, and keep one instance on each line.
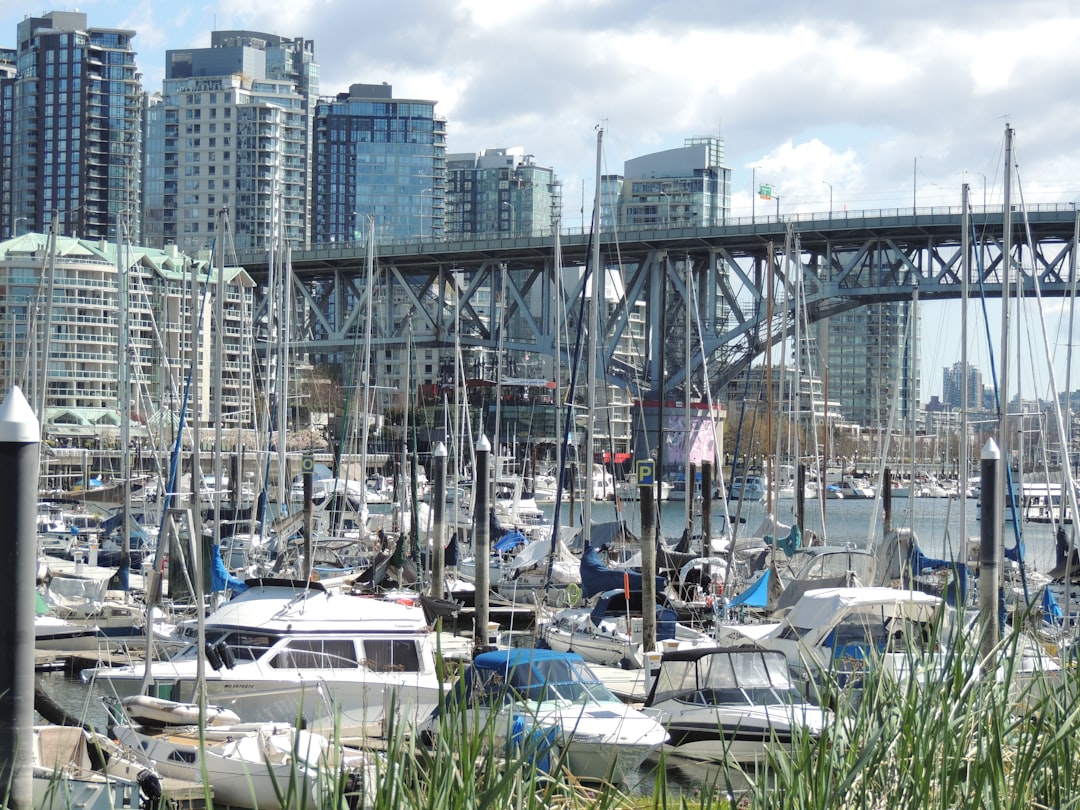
(734,283)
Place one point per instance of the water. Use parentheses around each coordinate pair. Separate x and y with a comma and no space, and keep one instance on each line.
(936,522)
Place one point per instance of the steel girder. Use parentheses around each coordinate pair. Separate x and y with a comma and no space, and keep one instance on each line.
(720,280)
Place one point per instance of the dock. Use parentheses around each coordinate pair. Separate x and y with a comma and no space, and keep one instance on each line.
(628,685)
(186,795)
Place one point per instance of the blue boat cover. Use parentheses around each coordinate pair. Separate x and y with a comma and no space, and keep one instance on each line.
(757,595)
(614,603)
(220,578)
(596,577)
(1052,613)
(509,541)
(789,545)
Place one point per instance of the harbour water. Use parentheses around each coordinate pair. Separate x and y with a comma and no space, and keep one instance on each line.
(935,521)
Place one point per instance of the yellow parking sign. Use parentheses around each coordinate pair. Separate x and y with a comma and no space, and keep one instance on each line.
(646,473)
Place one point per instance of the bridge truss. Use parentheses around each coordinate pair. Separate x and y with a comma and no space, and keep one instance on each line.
(736,286)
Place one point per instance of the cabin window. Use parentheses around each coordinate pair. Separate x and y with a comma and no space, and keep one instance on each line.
(392,655)
(316,654)
(246,646)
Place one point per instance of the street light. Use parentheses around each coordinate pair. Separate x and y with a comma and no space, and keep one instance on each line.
(826,182)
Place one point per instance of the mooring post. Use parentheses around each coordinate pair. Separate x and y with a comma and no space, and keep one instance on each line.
(648,566)
(989,546)
(438,529)
(20,444)
(482,544)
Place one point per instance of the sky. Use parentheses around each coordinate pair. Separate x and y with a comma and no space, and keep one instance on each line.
(839,103)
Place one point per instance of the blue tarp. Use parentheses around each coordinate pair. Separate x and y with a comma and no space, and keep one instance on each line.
(509,541)
(1051,610)
(757,595)
(790,544)
(220,578)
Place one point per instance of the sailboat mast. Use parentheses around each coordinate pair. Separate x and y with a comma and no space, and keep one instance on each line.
(219,361)
(283,373)
(1006,273)
(365,367)
(965,275)
(691,484)
(594,326)
(123,377)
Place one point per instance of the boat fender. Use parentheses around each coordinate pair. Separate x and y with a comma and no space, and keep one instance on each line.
(212,657)
(225,653)
(573,594)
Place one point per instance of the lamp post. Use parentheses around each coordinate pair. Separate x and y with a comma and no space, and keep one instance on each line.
(826,182)
(513,217)
(983,176)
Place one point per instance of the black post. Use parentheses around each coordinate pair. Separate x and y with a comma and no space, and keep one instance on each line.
(482,543)
(886,502)
(20,438)
(438,506)
(800,498)
(308,467)
(989,546)
(648,567)
(706,508)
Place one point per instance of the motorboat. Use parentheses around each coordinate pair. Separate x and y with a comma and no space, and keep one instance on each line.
(271,766)
(843,631)
(555,703)
(72,767)
(853,488)
(748,488)
(724,705)
(54,633)
(285,649)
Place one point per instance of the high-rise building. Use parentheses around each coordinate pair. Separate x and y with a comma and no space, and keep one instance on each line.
(952,386)
(500,192)
(688,187)
(382,157)
(870,364)
(232,129)
(71,129)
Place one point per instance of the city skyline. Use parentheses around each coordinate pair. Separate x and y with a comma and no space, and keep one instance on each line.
(817,103)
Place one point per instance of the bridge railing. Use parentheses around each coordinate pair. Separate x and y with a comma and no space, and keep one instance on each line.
(821,219)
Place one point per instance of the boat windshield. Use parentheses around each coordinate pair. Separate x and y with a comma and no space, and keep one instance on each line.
(749,677)
(548,679)
(245,645)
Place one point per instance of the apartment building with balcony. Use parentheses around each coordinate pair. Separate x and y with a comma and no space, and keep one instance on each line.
(71,128)
(63,304)
(232,128)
